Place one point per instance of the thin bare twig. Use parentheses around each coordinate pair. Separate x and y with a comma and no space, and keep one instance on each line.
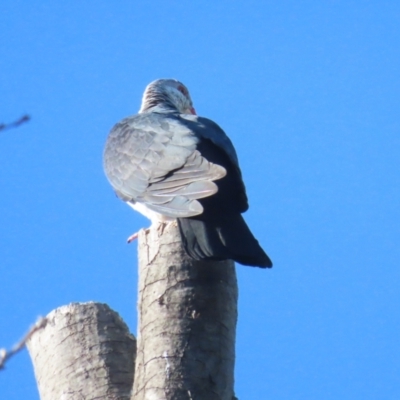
(18,122)
(6,355)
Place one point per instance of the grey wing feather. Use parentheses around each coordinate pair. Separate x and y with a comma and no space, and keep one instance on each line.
(177,207)
(152,159)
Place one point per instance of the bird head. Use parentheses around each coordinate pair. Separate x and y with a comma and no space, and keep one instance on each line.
(165,95)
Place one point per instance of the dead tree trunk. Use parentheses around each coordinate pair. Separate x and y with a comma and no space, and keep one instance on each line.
(85,351)
(187,323)
(186,334)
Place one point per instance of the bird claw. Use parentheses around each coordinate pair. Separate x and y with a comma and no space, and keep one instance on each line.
(135,236)
(132,237)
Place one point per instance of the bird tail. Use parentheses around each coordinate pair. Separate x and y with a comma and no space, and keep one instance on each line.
(229,238)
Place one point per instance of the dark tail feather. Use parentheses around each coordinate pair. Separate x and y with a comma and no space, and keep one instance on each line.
(222,240)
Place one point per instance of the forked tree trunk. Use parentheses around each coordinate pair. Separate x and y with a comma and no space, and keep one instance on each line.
(186,334)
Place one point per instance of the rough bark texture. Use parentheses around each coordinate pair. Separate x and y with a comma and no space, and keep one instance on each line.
(187,322)
(85,351)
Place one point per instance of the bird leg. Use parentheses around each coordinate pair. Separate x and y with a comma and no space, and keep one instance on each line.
(135,235)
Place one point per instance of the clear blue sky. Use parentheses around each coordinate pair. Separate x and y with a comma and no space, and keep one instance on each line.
(309,93)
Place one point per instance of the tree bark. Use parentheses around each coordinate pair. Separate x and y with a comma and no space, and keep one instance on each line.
(187,322)
(85,351)
(186,345)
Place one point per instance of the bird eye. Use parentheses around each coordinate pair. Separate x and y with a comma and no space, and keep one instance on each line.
(183,90)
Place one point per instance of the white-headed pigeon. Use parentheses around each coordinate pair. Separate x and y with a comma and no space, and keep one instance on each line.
(169,164)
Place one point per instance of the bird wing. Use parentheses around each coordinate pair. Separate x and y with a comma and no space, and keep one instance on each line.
(217,148)
(220,232)
(152,159)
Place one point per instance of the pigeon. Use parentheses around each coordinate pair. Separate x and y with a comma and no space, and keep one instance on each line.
(174,166)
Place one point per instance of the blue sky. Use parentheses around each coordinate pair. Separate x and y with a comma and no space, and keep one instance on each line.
(309,93)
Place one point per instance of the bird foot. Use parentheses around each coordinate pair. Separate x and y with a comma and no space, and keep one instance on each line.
(135,235)
(132,237)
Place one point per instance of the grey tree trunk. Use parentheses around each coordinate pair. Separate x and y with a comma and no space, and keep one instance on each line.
(85,351)
(186,334)
(187,323)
